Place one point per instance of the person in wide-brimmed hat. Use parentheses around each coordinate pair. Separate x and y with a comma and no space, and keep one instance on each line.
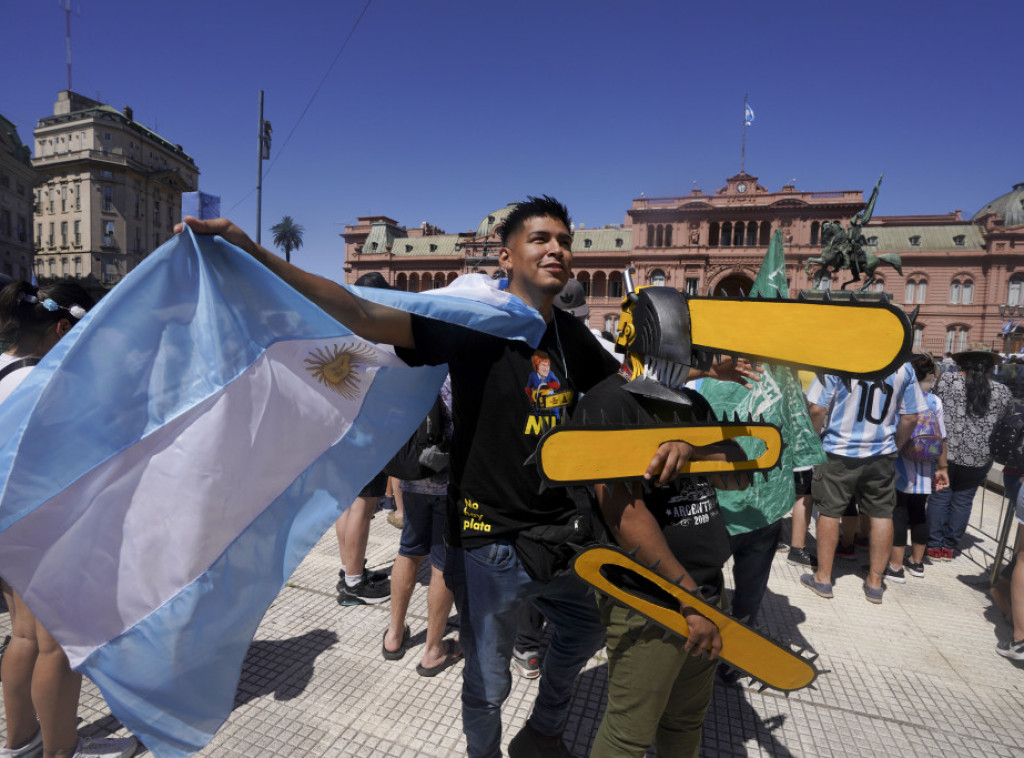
(972,403)
(977,357)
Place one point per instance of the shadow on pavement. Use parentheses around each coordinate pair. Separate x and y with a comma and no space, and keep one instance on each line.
(782,620)
(739,724)
(292,659)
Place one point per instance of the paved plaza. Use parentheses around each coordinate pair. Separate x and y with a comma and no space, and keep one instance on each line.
(917,676)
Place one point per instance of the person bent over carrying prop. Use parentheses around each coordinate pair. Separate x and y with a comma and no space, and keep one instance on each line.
(663,583)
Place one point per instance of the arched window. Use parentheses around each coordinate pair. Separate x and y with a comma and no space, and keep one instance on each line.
(713,231)
(615,284)
(599,287)
(956,338)
(918,338)
(922,291)
(751,234)
(815,227)
(737,234)
(727,234)
(583,278)
(402,282)
(961,291)
(659,236)
(452,277)
(668,235)
(438,280)
(1015,292)
(908,295)
(766,233)
(657,278)
(414,283)
(650,235)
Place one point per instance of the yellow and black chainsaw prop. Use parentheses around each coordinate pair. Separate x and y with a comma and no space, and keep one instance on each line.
(853,336)
(746,649)
(583,455)
(663,332)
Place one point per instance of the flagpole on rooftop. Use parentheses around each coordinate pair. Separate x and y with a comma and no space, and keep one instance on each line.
(743,146)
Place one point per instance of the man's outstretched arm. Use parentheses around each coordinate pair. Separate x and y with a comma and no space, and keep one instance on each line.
(371,321)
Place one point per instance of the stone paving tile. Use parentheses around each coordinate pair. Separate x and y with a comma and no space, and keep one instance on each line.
(916,676)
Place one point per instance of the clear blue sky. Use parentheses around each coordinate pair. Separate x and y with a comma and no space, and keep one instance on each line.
(443,111)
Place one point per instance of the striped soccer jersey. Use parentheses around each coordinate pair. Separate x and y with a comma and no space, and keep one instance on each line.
(862,421)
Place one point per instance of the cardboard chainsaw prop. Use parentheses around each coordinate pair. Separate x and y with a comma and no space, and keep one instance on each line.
(663,333)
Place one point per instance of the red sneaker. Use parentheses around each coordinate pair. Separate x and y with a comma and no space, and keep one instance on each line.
(934,553)
(947,554)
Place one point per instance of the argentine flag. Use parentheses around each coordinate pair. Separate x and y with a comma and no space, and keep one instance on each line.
(171,461)
(748,115)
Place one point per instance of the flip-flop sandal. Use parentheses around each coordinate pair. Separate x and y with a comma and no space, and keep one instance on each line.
(450,659)
(395,655)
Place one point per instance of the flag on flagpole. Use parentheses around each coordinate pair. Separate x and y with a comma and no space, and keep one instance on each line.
(748,115)
(171,461)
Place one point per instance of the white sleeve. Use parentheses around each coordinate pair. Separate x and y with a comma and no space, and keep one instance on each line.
(10,382)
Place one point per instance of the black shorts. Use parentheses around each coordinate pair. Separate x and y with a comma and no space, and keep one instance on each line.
(376,487)
(802,481)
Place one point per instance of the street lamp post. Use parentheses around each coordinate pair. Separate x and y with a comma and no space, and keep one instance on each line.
(263,137)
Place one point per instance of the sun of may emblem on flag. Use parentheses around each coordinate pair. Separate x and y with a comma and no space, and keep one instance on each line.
(338,367)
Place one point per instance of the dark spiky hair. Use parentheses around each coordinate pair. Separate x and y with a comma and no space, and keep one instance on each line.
(533,207)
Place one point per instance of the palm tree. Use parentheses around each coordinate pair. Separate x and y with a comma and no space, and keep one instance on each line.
(288,236)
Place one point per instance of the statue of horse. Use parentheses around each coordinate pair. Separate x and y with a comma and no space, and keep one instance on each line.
(848,249)
(873,261)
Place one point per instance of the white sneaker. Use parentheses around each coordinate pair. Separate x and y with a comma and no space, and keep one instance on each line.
(106,747)
(31,749)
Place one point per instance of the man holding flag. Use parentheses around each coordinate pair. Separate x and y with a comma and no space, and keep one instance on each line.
(498,555)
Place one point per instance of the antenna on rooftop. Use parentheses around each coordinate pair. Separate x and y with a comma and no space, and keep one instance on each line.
(66,7)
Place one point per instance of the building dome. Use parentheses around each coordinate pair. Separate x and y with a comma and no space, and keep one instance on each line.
(1010,206)
(492,220)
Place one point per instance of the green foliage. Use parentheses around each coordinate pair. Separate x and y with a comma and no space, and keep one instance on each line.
(288,236)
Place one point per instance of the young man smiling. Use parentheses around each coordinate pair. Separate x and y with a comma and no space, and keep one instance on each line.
(500,531)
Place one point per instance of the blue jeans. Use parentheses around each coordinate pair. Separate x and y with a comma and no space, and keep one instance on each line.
(949,510)
(752,555)
(490,586)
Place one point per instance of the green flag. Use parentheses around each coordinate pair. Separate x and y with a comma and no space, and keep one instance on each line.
(779,399)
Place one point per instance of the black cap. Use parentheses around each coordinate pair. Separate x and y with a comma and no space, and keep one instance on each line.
(572,299)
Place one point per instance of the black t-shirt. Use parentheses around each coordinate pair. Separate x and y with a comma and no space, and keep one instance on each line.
(686,509)
(505,395)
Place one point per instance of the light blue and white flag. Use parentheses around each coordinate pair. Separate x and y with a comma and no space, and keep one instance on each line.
(748,115)
(171,461)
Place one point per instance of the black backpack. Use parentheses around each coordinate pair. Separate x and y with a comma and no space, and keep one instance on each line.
(426,452)
(1006,443)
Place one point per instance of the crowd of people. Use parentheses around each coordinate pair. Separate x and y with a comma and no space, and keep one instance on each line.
(900,456)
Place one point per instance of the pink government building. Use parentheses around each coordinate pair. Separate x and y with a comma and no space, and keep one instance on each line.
(965,276)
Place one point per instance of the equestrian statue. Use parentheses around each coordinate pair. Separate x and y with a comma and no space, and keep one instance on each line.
(848,249)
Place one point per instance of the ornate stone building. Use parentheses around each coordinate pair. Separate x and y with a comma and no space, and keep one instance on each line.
(111,190)
(17,181)
(956,272)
